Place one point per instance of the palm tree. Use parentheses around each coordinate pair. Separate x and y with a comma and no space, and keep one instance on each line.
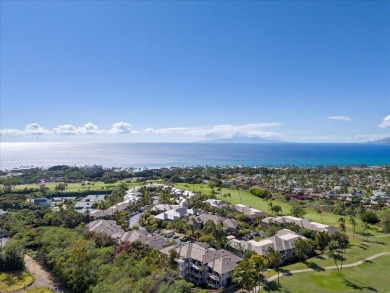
(230,195)
(331,251)
(319,211)
(239,193)
(341,222)
(353,223)
(342,240)
(244,274)
(259,265)
(274,258)
(366,227)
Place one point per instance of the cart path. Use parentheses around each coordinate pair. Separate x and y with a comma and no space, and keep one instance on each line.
(42,278)
(367,259)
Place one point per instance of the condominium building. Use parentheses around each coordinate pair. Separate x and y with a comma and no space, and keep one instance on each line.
(203,265)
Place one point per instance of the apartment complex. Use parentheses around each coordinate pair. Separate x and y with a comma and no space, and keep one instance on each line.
(203,265)
(283,241)
(304,223)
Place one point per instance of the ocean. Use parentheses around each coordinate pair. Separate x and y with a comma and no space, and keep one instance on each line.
(158,155)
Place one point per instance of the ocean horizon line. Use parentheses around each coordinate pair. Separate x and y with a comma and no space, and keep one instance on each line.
(181,142)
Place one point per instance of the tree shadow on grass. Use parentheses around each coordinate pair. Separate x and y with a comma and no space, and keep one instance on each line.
(274,286)
(313,266)
(319,257)
(339,257)
(377,242)
(285,272)
(363,246)
(355,286)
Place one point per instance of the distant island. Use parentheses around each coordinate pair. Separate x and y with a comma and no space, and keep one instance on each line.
(243,139)
(381,141)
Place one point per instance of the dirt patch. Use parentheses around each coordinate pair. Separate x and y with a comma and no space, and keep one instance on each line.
(42,278)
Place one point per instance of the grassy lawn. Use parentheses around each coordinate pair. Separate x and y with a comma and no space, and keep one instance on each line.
(359,248)
(11,281)
(75,187)
(368,277)
(250,200)
(237,196)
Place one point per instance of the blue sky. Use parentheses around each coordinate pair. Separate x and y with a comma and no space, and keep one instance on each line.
(128,71)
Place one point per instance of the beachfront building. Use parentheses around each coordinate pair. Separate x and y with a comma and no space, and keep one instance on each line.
(203,265)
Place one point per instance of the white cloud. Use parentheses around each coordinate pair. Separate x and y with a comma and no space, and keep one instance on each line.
(65,130)
(11,131)
(68,129)
(370,137)
(319,138)
(217,131)
(340,118)
(120,128)
(31,129)
(385,123)
(173,130)
(222,131)
(35,129)
(90,128)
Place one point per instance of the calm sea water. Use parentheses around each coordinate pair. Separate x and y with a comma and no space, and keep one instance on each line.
(156,155)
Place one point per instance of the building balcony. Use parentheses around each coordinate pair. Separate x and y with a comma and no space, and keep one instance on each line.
(212,283)
(197,274)
(195,266)
(214,277)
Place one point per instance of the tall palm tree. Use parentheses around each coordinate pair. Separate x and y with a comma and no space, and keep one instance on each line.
(274,258)
(353,223)
(366,227)
(239,193)
(331,251)
(342,226)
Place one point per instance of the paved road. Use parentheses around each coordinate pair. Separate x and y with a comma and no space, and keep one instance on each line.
(3,241)
(42,278)
(368,259)
(134,220)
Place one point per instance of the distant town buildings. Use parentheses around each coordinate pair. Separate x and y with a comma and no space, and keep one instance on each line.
(91,168)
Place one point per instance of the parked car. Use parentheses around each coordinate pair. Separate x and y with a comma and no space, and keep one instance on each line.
(184,239)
